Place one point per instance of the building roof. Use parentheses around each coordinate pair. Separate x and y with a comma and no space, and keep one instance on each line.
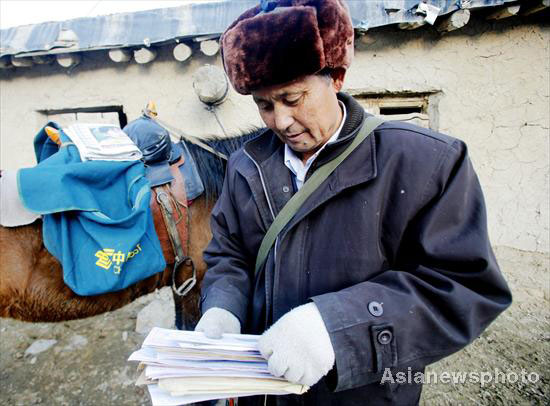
(197,19)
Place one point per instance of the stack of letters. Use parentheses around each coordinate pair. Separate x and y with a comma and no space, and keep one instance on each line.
(181,367)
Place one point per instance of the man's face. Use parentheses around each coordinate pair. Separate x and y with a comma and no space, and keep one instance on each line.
(303,113)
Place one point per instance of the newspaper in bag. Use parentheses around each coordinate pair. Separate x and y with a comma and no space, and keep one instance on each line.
(102,142)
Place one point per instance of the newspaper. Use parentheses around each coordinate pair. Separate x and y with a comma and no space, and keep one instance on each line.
(182,367)
(102,142)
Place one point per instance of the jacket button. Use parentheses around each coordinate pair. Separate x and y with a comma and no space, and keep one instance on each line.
(286,189)
(375,309)
(385,337)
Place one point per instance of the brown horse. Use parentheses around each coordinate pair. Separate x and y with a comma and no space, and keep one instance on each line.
(31,279)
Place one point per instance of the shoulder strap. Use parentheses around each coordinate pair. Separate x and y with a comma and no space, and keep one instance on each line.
(292,206)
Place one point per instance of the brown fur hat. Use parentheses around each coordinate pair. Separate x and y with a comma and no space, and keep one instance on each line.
(295,38)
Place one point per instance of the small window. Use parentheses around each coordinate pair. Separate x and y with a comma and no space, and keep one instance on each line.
(412,109)
(100,114)
(399,110)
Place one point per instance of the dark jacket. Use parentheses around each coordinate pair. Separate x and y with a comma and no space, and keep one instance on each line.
(392,248)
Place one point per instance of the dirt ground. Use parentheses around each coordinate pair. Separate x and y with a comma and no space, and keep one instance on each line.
(87,363)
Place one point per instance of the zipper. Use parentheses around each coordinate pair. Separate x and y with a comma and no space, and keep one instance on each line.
(305,274)
(267,295)
(266,198)
(263,185)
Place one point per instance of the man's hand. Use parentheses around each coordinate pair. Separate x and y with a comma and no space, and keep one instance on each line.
(298,346)
(216,321)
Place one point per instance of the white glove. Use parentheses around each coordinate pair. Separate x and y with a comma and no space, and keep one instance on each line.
(216,321)
(298,346)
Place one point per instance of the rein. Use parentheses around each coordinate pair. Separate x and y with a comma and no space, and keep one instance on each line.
(192,139)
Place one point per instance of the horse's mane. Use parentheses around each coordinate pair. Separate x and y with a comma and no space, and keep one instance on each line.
(211,167)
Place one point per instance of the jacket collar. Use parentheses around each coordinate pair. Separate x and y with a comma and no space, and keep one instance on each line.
(267,151)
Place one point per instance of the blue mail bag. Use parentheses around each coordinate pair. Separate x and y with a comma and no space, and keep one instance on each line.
(97,221)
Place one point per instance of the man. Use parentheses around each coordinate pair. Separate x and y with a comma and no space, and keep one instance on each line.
(386,266)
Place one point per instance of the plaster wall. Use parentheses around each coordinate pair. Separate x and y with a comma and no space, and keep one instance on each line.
(490,85)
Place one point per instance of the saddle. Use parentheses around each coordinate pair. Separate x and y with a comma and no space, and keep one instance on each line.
(169,208)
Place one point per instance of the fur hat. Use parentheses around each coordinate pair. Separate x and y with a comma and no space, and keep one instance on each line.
(281,40)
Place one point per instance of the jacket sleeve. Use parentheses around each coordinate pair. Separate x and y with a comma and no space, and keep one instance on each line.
(440,292)
(226,284)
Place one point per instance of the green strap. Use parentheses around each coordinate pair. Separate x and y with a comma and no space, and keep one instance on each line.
(292,206)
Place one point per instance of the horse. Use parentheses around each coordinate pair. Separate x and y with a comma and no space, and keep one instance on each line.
(31,279)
